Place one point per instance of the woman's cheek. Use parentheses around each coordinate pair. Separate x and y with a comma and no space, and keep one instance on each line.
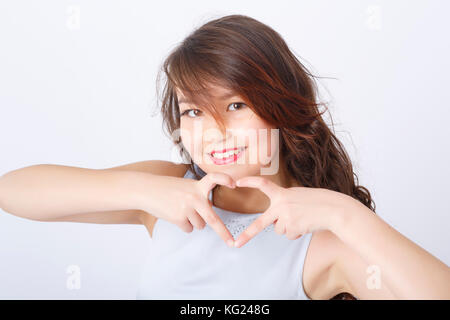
(187,138)
(264,140)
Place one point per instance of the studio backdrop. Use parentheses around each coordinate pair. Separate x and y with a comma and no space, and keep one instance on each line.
(78,88)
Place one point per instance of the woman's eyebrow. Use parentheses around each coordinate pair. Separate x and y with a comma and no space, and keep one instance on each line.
(182,100)
(223,97)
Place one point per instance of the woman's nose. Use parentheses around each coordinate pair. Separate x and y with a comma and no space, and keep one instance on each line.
(215,133)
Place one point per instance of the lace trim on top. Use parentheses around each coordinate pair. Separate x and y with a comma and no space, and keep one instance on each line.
(238,222)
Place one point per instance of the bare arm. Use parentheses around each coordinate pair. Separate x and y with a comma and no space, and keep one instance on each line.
(104,217)
(398,266)
(62,193)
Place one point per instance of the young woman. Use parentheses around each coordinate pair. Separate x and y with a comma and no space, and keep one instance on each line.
(261,167)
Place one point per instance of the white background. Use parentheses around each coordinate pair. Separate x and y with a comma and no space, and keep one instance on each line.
(84,95)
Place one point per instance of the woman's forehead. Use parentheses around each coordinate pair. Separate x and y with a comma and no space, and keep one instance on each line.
(216,93)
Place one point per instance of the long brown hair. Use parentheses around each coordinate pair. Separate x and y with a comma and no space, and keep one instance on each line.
(252,60)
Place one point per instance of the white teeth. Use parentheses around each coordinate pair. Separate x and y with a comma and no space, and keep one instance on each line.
(226,154)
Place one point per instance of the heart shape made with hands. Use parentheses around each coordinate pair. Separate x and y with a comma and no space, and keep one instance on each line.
(260,223)
(235,220)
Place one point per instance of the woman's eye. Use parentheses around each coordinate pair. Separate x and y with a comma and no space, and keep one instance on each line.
(185,112)
(195,112)
(238,104)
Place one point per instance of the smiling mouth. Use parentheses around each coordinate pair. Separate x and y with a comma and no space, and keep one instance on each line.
(228,156)
(225,153)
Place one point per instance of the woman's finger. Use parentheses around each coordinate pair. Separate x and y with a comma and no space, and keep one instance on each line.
(212,219)
(279,227)
(263,221)
(215,178)
(265,185)
(196,220)
(185,225)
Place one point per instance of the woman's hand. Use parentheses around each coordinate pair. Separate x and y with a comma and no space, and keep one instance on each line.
(294,211)
(184,202)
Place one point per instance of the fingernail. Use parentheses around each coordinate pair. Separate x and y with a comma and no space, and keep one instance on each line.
(237,243)
(230,243)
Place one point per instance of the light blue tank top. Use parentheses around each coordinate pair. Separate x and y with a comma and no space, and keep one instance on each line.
(199,264)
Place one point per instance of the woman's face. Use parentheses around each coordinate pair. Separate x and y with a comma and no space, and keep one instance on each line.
(253,142)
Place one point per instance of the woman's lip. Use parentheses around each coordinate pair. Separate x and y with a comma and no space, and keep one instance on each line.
(228,160)
(226,150)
